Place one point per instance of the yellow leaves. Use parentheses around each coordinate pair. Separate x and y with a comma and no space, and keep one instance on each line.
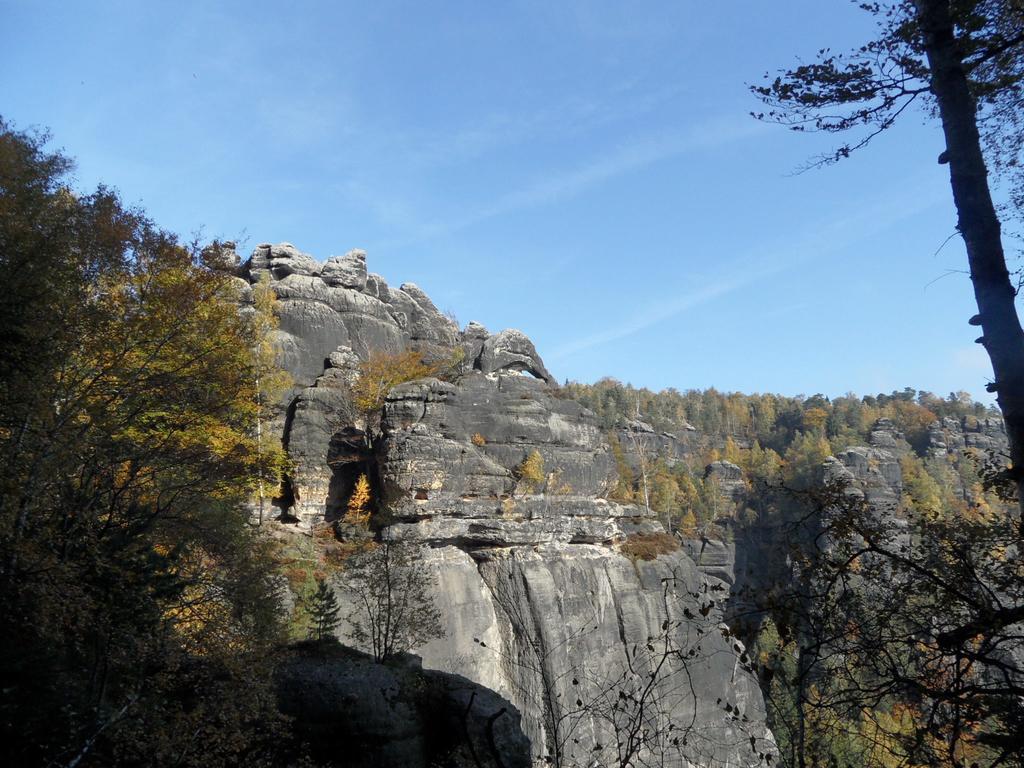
(688,524)
(804,458)
(271,380)
(732,452)
(383,371)
(163,550)
(531,471)
(882,734)
(912,419)
(623,488)
(166,382)
(664,495)
(508,507)
(202,616)
(920,490)
(203,621)
(814,419)
(556,486)
(358,509)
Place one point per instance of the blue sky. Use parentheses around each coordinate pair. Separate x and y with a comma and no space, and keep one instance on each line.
(584,171)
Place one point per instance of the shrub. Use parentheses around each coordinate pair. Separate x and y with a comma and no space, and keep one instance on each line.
(392,598)
(688,524)
(531,471)
(647,546)
(297,578)
(323,532)
(383,371)
(478,440)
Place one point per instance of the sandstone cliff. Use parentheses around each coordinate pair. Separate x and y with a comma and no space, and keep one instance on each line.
(539,604)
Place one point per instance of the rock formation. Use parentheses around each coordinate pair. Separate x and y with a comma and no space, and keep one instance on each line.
(538,603)
(395,716)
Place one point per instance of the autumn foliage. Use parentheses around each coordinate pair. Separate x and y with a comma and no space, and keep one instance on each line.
(135,599)
(382,371)
(357,511)
(648,546)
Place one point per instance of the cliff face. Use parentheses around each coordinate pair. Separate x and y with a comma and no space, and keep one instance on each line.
(756,558)
(541,606)
(538,602)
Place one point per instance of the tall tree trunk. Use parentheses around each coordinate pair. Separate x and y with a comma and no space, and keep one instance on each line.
(978,224)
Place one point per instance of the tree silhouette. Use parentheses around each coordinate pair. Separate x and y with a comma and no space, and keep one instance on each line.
(322,610)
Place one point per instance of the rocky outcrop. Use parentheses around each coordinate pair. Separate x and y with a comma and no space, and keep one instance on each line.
(511,350)
(318,437)
(348,271)
(537,601)
(951,436)
(873,470)
(350,711)
(639,440)
(332,316)
(469,439)
(729,479)
(544,597)
(716,560)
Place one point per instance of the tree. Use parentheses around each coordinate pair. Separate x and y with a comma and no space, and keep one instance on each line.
(815,419)
(966,57)
(624,478)
(393,603)
(136,604)
(802,461)
(382,371)
(357,511)
(900,637)
(322,612)
(531,470)
(271,379)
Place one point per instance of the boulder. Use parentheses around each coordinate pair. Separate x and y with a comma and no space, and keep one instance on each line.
(377,287)
(512,351)
(282,260)
(348,271)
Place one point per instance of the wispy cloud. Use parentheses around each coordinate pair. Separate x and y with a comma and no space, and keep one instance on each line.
(658,313)
(571,182)
(757,264)
(421,150)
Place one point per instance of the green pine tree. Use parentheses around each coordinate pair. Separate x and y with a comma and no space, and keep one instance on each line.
(322,610)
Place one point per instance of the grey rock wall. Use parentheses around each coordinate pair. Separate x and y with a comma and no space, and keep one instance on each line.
(538,603)
(350,711)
